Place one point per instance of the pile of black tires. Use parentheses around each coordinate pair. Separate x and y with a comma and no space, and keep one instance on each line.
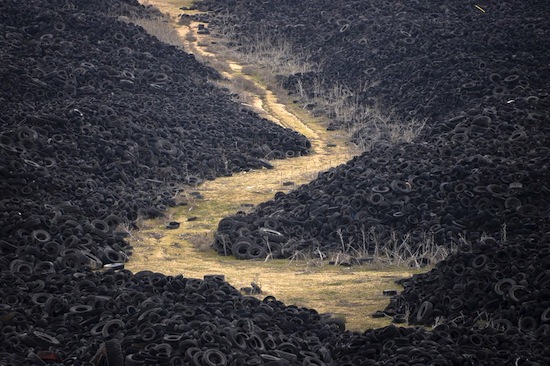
(119,318)
(418,58)
(477,73)
(477,177)
(102,123)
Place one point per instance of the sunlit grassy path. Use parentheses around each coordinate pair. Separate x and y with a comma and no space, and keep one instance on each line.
(353,293)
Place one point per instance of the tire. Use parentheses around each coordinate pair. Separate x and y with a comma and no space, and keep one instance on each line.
(81,309)
(274,249)
(148,334)
(237,339)
(312,361)
(109,255)
(272,235)
(44,340)
(92,261)
(502,324)
(424,313)
(100,227)
(480,261)
(517,292)
(52,250)
(503,286)
(400,187)
(40,236)
(256,251)
(376,199)
(545,316)
(240,249)
(527,324)
(113,351)
(44,267)
(399,318)
(71,261)
(173,225)
(458,269)
(527,211)
(214,357)
(112,328)
(20,266)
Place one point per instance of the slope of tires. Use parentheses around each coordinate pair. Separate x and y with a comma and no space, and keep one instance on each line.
(419,58)
(102,123)
(506,283)
(477,177)
(147,318)
(480,164)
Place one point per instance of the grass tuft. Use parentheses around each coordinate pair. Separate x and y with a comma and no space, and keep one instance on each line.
(272,56)
(365,125)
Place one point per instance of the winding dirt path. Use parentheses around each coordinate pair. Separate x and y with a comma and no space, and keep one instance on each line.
(353,293)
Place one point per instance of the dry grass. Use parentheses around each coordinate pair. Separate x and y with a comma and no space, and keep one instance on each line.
(160,20)
(265,56)
(160,28)
(352,293)
(396,251)
(157,25)
(243,89)
(269,54)
(190,38)
(365,124)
